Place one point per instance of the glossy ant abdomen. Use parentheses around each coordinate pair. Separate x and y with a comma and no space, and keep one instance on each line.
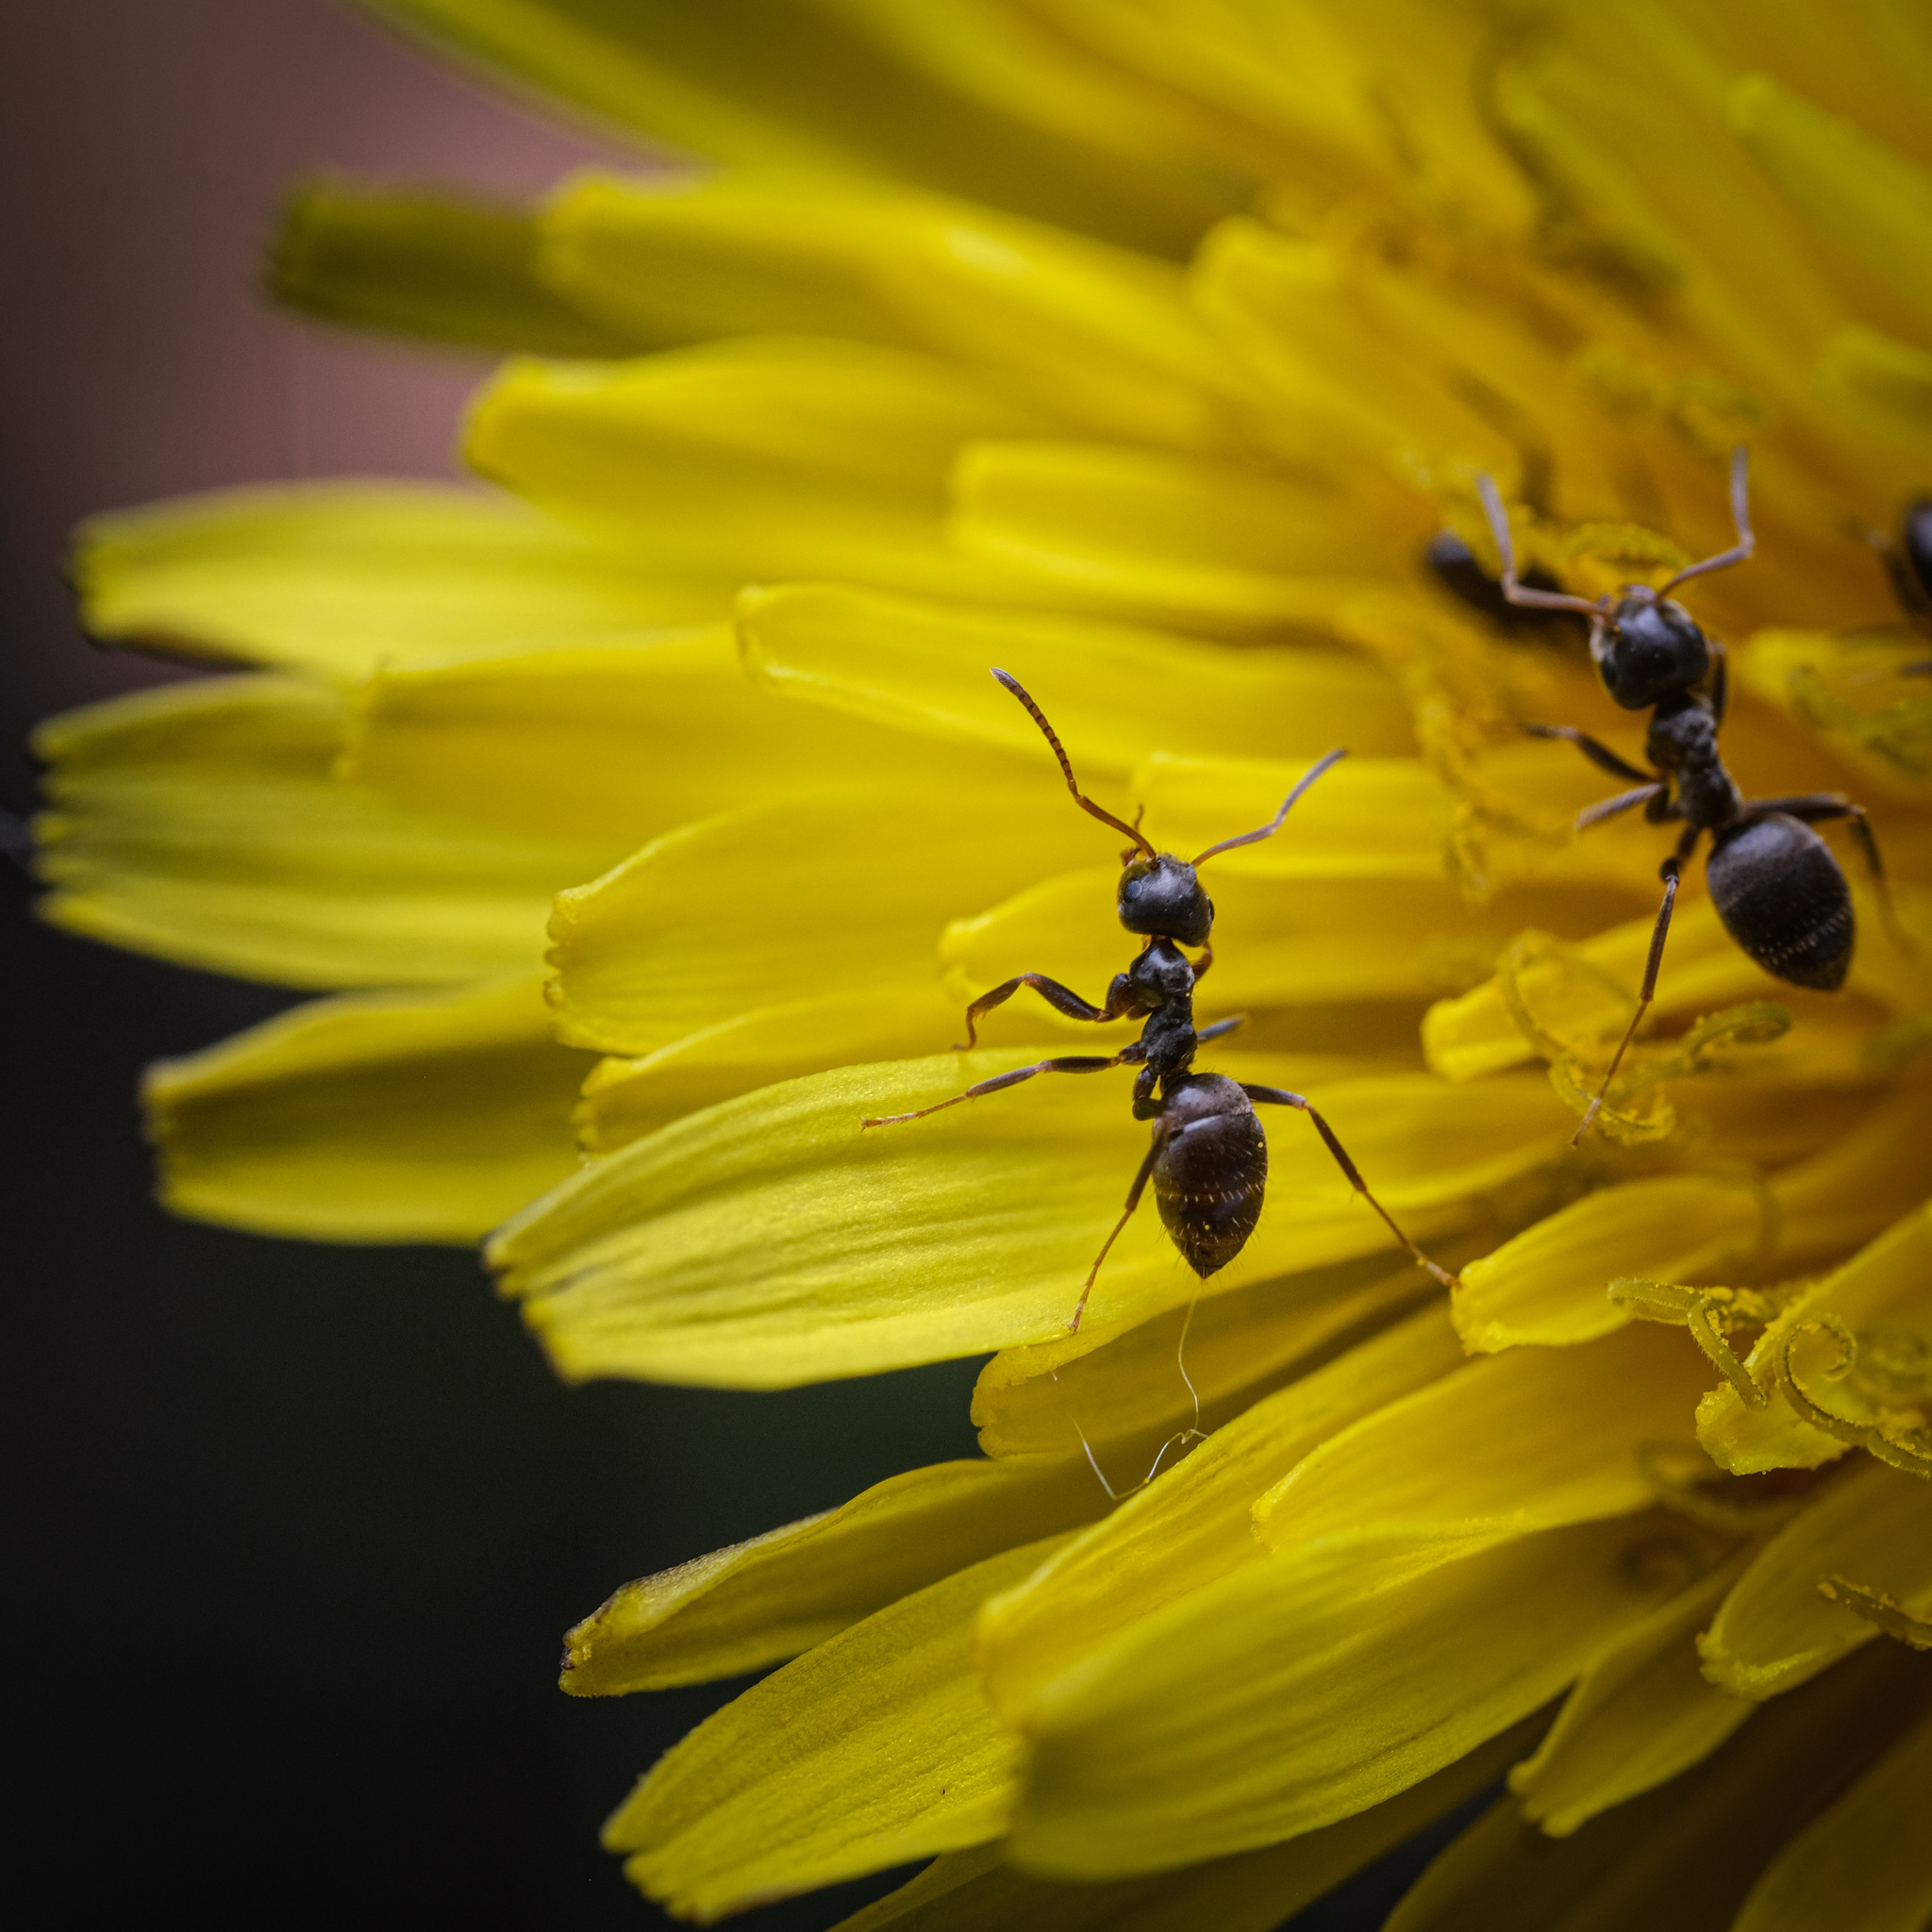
(1778,889)
(1209,1159)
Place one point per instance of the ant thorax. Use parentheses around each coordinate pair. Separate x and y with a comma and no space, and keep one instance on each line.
(1683,741)
(1648,647)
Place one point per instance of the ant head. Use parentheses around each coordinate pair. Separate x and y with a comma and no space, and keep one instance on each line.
(1162,898)
(1915,539)
(1652,647)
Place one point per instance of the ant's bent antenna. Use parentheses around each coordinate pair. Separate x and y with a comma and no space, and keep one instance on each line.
(1080,798)
(1274,825)
(1505,548)
(1746,545)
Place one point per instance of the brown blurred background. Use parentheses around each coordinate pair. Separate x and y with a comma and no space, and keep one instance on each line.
(294,1529)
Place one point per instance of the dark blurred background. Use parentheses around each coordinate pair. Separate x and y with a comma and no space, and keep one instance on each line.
(295,1531)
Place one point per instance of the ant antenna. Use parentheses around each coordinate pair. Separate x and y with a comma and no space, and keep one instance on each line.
(1060,751)
(1274,825)
(1746,545)
(1514,591)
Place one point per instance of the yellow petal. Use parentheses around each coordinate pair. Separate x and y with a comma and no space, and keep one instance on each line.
(876,1748)
(415,261)
(1863,1865)
(371,1117)
(1640,1713)
(1680,1859)
(842,888)
(1336,934)
(199,822)
(1305,1688)
(922,667)
(1873,199)
(1240,1347)
(740,1609)
(756,457)
(1883,1287)
(1253,1892)
(1508,1445)
(1874,1526)
(1548,1286)
(946,1237)
(807,89)
(1193,1526)
(617,741)
(1164,537)
(338,577)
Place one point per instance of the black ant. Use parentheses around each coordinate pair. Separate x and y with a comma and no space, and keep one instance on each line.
(1778,889)
(1208,1162)
(1907,560)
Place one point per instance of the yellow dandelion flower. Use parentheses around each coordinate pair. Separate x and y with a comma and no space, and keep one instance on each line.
(1156,350)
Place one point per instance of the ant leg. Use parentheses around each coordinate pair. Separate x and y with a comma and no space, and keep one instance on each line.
(1280,1096)
(1060,998)
(1205,960)
(1072,1063)
(1134,1194)
(1219,1028)
(1609,808)
(1672,868)
(1810,808)
(1600,755)
(1720,679)
(1745,546)
(1506,549)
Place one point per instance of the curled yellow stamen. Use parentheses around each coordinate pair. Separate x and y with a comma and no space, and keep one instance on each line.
(1895,1437)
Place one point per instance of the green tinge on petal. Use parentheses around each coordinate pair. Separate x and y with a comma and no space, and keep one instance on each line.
(843,888)
(1305,1688)
(1886,382)
(1166,537)
(774,1240)
(922,667)
(1776,1629)
(1193,1526)
(756,1603)
(824,88)
(1864,1864)
(340,577)
(1252,1891)
(1510,1445)
(1125,1388)
(874,1749)
(757,457)
(1864,195)
(199,822)
(1682,1858)
(426,263)
(1642,1712)
(371,1117)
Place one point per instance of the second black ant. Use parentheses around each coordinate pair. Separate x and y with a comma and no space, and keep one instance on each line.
(1778,888)
(1209,1160)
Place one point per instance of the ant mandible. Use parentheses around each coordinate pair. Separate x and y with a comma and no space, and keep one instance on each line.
(1776,886)
(1209,1162)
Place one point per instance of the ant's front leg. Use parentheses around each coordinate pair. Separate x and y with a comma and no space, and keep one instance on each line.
(1069,1063)
(1599,755)
(1060,998)
(1813,807)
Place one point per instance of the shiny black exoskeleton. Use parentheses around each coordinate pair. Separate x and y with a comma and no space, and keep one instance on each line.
(1209,1160)
(1778,889)
(1908,564)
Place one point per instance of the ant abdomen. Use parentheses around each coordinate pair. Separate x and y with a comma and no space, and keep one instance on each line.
(1783,898)
(1212,1169)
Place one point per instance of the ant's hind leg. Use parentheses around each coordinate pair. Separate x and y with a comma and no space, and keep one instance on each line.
(1072,1063)
(1280,1096)
(1134,1194)
(1060,998)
